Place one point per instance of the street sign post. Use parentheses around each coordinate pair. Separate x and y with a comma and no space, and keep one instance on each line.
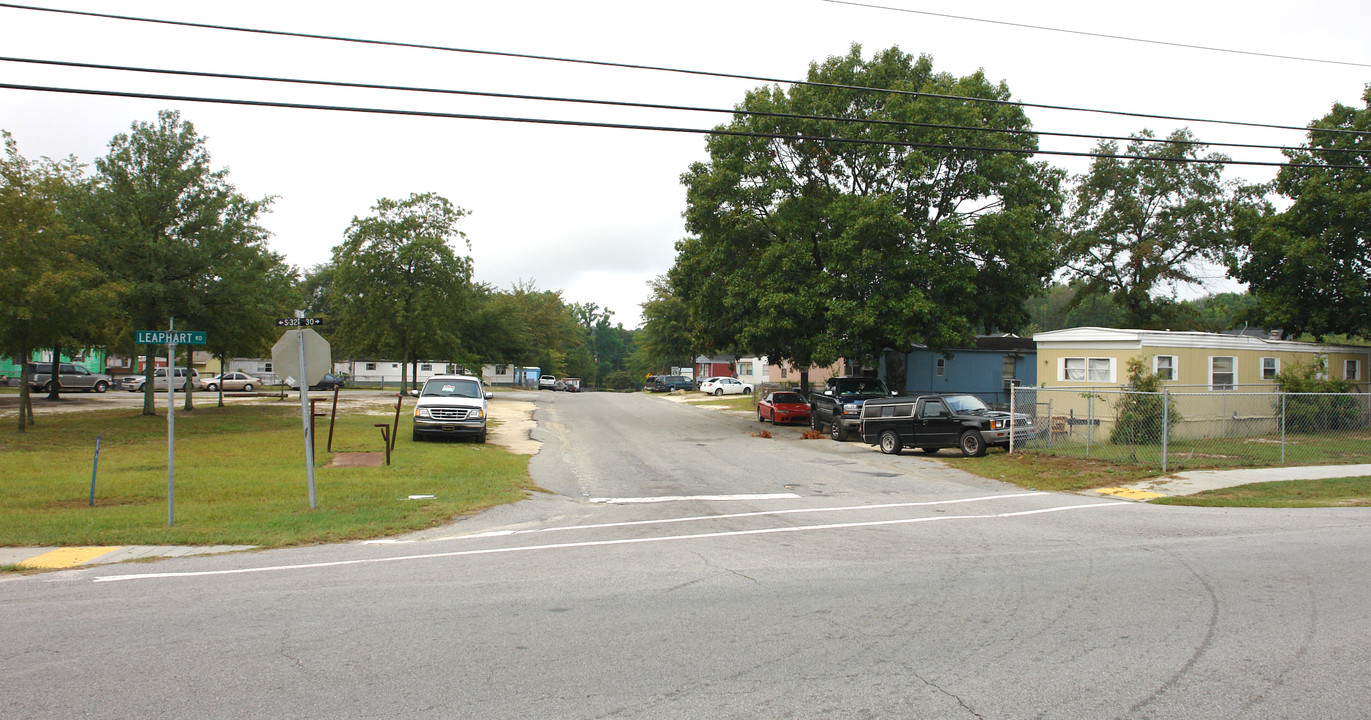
(303,354)
(170,337)
(298,322)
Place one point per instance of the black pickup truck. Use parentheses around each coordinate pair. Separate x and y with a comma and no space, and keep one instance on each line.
(933,422)
(839,404)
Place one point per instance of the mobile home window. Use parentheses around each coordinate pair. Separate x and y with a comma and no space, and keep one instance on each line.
(1351,370)
(1088,369)
(1164,367)
(1271,367)
(940,367)
(425,367)
(371,366)
(1223,372)
(745,369)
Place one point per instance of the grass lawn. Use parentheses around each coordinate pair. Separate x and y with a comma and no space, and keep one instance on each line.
(1331,492)
(728,402)
(1052,473)
(1057,473)
(240,479)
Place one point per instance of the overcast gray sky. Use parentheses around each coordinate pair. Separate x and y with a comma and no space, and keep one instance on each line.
(595,212)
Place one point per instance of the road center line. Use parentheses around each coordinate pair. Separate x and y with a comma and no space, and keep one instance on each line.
(729,516)
(603,543)
(674,498)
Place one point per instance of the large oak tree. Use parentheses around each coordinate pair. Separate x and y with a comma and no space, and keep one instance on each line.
(1310,265)
(833,220)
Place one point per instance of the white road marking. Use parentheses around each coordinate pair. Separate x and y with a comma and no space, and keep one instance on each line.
(674,498)
(603,543)
(729,516)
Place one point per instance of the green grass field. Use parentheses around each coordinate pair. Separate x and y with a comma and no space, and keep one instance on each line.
(240,479)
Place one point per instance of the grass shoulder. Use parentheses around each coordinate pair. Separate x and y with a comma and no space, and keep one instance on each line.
(239,480)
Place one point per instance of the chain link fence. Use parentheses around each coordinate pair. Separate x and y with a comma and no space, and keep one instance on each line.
(1188,430)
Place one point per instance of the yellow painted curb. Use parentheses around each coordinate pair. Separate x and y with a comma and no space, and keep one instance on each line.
(1128,493)
(66,557)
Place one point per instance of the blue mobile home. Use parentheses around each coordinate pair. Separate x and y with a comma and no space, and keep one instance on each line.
(987,370)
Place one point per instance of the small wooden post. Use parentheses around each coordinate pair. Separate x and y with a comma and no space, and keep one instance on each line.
(385,438)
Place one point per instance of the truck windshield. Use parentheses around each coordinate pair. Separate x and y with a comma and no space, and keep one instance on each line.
(966,404)
(452,388)
(864,387)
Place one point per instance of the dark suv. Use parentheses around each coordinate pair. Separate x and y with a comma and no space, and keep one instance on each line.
(664,383)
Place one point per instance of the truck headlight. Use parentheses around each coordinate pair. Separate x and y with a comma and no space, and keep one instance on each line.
(421,412)
(851,409)
(998,424)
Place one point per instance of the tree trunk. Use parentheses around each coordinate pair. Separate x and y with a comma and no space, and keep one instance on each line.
(804,381)
(25,402)
(190,384)
(149,368)
(55,381)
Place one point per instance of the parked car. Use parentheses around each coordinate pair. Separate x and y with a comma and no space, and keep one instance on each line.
(232,381)
(547,382)
(783,406)
(570,384)
(703,380)
(933,422)
(451,406)
(185,378)
(70,376)
(328,382)
(725,386)
(666,383)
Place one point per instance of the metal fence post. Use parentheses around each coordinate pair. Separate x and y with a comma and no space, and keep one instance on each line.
(1282,428)
(1012,398)
(1089,422)
(1050,429)
(1166,422)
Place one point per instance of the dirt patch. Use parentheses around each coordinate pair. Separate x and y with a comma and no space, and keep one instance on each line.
(513,426)
(358,459)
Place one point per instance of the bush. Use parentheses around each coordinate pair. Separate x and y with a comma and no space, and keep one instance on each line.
(1314,402)
(1140,412)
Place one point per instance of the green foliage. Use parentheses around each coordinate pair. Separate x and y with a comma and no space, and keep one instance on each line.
(181,239)
(1140,413)
(806,250)
(52,292)
(1135,226)
(1307,264)
(399,287)
(1315,402)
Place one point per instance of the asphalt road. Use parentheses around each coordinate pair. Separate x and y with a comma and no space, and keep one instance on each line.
(682,568)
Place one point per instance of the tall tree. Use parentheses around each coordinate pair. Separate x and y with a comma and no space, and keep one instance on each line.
(51,292)
(399,284)
(924,228)
(1310,264)
(164,219)
(666,338)
(251,287)
(1137,226)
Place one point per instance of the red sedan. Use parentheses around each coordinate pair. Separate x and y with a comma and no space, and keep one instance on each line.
(783,407)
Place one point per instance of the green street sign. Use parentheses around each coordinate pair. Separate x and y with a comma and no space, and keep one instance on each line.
(169,337)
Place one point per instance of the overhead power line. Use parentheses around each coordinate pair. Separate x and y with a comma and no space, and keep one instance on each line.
(623,103)
(631,66)
(654,128)
(1106,36)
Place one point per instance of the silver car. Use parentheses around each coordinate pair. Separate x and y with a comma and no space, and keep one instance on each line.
(185,378)
(232,381)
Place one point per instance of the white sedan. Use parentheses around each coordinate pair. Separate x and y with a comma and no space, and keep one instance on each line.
(725,386)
